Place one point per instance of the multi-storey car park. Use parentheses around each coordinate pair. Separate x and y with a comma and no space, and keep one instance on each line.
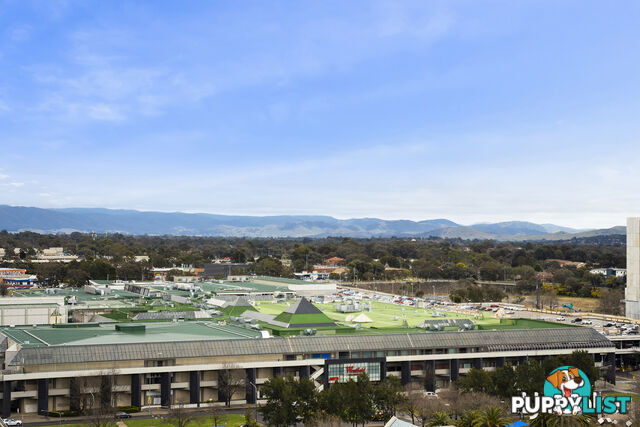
(160,363)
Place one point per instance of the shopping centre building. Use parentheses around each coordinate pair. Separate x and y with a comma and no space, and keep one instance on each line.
(53,367)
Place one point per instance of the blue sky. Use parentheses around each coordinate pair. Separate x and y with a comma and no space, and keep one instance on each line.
(477,111)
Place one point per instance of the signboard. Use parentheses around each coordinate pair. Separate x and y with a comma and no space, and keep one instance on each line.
(342,370)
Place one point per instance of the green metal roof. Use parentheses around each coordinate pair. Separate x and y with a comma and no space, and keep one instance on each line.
(509,340)
(109,333)
(232,287)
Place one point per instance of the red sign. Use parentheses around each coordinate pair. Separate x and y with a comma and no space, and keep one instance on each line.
(351,370)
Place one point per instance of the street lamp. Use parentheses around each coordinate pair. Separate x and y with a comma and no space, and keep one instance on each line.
(255,388)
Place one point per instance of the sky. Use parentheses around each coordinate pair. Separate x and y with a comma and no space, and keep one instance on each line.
(475,111)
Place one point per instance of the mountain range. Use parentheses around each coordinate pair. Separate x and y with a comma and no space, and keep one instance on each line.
(19,218)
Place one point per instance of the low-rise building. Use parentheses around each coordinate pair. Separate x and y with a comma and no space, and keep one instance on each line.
(609,272)
(32,311)
(16,278)
(56,254)
(168,363)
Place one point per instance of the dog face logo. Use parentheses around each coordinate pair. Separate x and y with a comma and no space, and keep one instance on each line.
(566,380)
(568,383)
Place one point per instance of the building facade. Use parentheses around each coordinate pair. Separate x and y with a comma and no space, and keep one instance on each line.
(632,291)
(56,377)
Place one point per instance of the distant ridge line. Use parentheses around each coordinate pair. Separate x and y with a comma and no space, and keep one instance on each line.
(100,220)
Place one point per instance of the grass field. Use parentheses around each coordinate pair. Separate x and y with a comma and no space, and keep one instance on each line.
(384,314)
(232,420)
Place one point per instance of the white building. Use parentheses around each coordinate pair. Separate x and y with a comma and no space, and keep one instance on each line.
(608,272)
(32,311)
(632,291)
(56,254)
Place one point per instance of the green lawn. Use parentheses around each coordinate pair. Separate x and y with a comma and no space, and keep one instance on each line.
(125,314)
(232,420)
(382,314)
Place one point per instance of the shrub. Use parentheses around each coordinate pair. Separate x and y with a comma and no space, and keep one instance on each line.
(129,409)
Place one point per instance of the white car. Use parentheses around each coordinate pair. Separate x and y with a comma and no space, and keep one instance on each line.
(587,322)
(12,422)
(561,318)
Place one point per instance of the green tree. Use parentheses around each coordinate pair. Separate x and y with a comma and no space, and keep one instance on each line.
(469,418)
(249,421)
(238,256)
(553,420)
(279,409)
(476,380)
(439,419)
(388,396)
(77,277)
(352,401)
(529,377)
(267,266)
(289,400)
(307,405)
(492,417)
(504,381)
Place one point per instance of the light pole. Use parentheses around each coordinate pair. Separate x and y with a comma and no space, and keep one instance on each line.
(255,388)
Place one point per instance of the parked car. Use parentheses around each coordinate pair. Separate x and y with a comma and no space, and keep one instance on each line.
(122,415)
(430,394)
(577,320)
(561,318)
(587,322)
(12,422)
(609,325)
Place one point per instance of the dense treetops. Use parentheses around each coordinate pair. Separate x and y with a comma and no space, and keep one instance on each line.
(111,256)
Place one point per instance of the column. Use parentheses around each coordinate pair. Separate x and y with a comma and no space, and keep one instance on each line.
(405,377)
(194,387)
(6,399)
(453,369)
(477,363)
(43,396)
(165,389)
(136,390)
(305,371)
(610,363)
(430,375)
(221,390)
(251,386)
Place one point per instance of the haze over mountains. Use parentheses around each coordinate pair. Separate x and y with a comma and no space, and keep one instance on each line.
(18,218)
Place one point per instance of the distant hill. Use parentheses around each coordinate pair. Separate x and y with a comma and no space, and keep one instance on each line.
(514,228)
(18,218)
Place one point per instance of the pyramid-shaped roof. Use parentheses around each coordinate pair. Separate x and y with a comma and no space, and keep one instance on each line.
(303,314)
(237,306)
(303,306)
